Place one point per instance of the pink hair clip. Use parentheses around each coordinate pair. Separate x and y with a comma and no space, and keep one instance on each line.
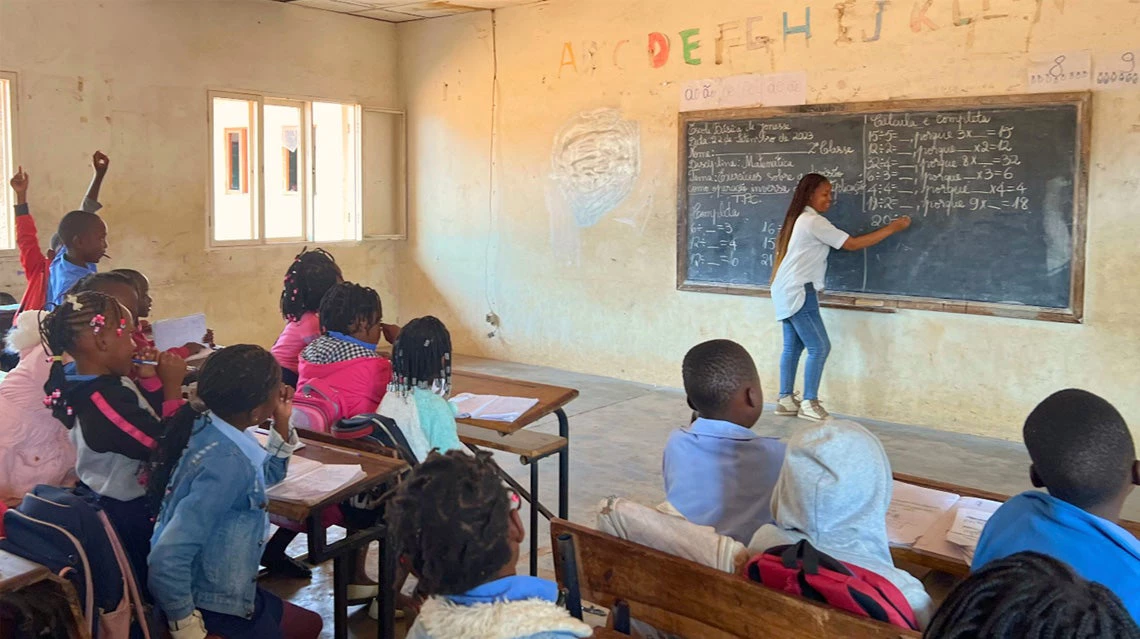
(122,326)
(97,323)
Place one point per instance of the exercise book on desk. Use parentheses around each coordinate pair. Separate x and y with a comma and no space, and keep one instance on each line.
(491,407)
(309,481)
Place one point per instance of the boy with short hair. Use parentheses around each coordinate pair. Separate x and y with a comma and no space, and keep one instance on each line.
(717,471)
(34,262)
(1083,454)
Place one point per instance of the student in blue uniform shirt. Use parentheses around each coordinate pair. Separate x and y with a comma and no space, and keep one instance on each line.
(717,471)
(1083,454)
(83,236)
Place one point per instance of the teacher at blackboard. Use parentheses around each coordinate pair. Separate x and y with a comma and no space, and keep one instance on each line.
(802,248)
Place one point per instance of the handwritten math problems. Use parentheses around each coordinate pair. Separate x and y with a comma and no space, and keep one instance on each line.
(990,190)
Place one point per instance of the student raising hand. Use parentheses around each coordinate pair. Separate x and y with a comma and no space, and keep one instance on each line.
(19,184)
(100,162)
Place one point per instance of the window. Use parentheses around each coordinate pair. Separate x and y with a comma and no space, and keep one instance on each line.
(293,170)
(7,164)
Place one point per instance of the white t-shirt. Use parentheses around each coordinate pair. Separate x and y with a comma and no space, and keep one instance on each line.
(812,239)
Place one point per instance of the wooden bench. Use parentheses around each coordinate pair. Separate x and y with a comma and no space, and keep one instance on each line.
(684,598)
(33,580)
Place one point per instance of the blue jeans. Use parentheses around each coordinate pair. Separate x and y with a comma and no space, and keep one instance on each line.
(804,329)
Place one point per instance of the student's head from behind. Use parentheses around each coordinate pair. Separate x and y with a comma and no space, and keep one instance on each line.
(1030,596)
(421,356)
(110,283)
(308,278)
(142,285)
(721,382)
(94,329)
(240,384)
(354,310)
(458,525)
(85,236)
(1082,452)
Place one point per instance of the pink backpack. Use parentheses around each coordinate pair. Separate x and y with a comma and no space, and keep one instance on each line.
(316,406)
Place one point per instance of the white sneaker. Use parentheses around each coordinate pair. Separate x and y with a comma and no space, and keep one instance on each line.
(788,406)
(813,410)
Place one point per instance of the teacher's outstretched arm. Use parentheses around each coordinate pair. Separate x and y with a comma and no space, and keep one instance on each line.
(874,237)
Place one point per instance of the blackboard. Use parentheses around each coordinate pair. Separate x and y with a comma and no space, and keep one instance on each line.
(996,189)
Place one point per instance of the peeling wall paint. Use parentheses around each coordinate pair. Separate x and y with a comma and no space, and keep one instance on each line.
(617,312)
(135,86)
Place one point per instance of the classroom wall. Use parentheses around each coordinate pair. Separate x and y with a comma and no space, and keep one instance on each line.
(488,238)
(130,77)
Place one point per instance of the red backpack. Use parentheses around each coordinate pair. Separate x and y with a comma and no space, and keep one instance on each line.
(802,570)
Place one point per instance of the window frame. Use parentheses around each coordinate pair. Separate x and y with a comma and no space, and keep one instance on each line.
(306,176)
(13,131)
(243,160)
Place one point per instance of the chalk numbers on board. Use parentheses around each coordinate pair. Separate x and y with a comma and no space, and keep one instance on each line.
(1126,75)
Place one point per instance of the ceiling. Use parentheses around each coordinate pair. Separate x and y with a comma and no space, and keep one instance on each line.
(405,10)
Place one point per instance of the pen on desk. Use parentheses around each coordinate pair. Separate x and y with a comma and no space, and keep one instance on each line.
(151,362)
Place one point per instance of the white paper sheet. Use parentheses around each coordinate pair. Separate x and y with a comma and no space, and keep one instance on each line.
(967,527)
(1068,71)
(179,331)
(914,510)
(491,407)
(310,481)
(934,540)
(1117,70)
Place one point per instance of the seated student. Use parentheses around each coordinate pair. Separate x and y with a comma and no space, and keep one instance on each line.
(1028,595)
(142,335)
(717,471)
(203,565)
(344,358)
(1083,454)
(34,448)
(833,491)
(308,278)
(34,262)
(112,424)
(421,379)
(460,531)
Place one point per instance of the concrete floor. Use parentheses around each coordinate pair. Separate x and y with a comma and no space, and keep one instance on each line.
(617,434)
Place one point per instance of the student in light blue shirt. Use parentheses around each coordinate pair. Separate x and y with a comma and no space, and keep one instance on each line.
(82,237)
(1083,454)
(717,471)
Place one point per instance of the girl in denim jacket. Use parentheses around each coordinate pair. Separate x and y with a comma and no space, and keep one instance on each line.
(213,521)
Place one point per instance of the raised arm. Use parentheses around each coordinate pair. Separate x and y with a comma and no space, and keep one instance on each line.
(874,237)
(100,163)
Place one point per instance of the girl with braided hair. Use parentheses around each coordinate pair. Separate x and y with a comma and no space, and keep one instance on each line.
(210,476)
(459,531)
(421,381)
(1029,595)
(308,278)
(112,423)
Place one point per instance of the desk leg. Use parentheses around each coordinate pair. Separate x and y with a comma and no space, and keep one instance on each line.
(340,596)
(386,625)
(534,520)
(563,465)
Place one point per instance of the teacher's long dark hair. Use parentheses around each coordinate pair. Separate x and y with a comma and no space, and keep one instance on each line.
(804,190)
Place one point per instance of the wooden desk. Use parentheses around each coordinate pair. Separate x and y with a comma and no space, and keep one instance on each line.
(608,633)
(378,470)
(953,565)
(476,433)
(17,573)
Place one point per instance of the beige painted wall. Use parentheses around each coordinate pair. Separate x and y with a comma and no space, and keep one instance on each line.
(130,77)
(617,311)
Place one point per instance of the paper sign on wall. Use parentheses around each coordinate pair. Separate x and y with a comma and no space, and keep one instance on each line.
(755,89)
(1118,70)
(1070,71)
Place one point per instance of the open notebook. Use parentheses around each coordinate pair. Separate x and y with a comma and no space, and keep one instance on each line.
(937,521)
(309,481)
(491,407)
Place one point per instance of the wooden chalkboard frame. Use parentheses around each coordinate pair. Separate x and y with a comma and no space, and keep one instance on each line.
(889,303)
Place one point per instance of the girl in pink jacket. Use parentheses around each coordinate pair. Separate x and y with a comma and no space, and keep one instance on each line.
(309,277)
(34,447)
